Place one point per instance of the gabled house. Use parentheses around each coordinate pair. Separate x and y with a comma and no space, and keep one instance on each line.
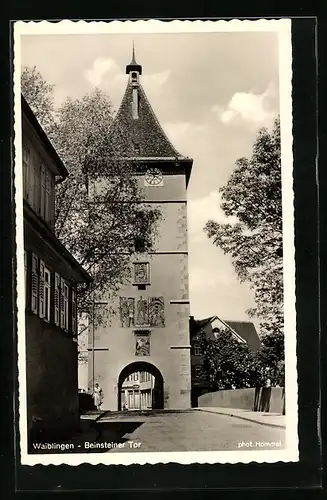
(51,278)
(243,331)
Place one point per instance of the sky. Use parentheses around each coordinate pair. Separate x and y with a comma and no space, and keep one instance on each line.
(211,92)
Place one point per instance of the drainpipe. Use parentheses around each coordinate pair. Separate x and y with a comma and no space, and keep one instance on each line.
(93,372)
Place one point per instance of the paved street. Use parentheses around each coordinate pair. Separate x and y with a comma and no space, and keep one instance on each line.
(168,431)
(194,431)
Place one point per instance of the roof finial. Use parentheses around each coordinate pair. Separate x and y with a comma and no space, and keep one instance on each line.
(133,66)
(133,56)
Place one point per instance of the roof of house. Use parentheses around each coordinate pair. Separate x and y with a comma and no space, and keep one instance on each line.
(244,329)
(27,111)
(247,331)
(197,324)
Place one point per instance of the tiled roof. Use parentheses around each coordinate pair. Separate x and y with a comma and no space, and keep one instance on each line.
(245,329)
(144,136)
(248,332)
(197,324)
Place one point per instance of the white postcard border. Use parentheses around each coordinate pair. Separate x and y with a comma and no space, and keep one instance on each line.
(283,28)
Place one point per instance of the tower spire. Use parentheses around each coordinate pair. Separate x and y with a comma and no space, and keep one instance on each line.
(133,66)
(133,55)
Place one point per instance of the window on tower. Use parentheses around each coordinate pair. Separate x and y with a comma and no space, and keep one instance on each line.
(141,273)
(134,76)
(135,104)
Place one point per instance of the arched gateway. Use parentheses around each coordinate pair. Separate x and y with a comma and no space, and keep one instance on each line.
(150,319)
(157,391)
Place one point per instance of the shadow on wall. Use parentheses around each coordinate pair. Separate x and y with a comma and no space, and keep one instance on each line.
(265,399)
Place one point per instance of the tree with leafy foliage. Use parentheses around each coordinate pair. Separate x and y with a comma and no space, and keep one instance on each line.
(228,364)
(39,95)
(253,195)
(271,358)
(100,214)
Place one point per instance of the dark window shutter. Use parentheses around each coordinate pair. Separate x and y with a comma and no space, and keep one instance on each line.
(62,304)
(66,306)
(41,290)
(56,299)
(34,284)
(74,312)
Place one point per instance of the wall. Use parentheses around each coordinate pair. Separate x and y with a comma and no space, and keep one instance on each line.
(169,345)
(263,399)
(51,370)
(83,336)
(83,375)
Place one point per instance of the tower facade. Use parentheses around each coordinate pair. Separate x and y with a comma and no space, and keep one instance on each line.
(149,328)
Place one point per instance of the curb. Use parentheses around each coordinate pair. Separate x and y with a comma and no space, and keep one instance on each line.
(103,414)
(268,424)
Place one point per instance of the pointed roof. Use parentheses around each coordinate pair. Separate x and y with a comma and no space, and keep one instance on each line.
(145,132)
(248,332)
(197,324)
(245,331)
(144,137)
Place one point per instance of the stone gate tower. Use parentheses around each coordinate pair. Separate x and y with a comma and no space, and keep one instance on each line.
(150,328)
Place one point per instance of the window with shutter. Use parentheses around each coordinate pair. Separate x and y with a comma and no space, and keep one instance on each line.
(42,192)
(62,304)
(31,176)
(41,290)
(36,195)
(197,350)
(47,294)
(66,306)
(48,207)
(74,312)
(56,299)
(26,166)
(34,284)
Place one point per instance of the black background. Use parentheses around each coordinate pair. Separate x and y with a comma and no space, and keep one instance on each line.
(195,481)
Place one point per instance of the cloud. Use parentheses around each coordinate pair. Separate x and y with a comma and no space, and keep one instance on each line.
(201,210)
(186,137)
(249,108)
(107,74)
(155,80)
(100,67)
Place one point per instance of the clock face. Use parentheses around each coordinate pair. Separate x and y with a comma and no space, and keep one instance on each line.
(153,177)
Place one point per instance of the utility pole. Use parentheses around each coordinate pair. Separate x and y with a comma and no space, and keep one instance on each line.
(93,317)
(93,335)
